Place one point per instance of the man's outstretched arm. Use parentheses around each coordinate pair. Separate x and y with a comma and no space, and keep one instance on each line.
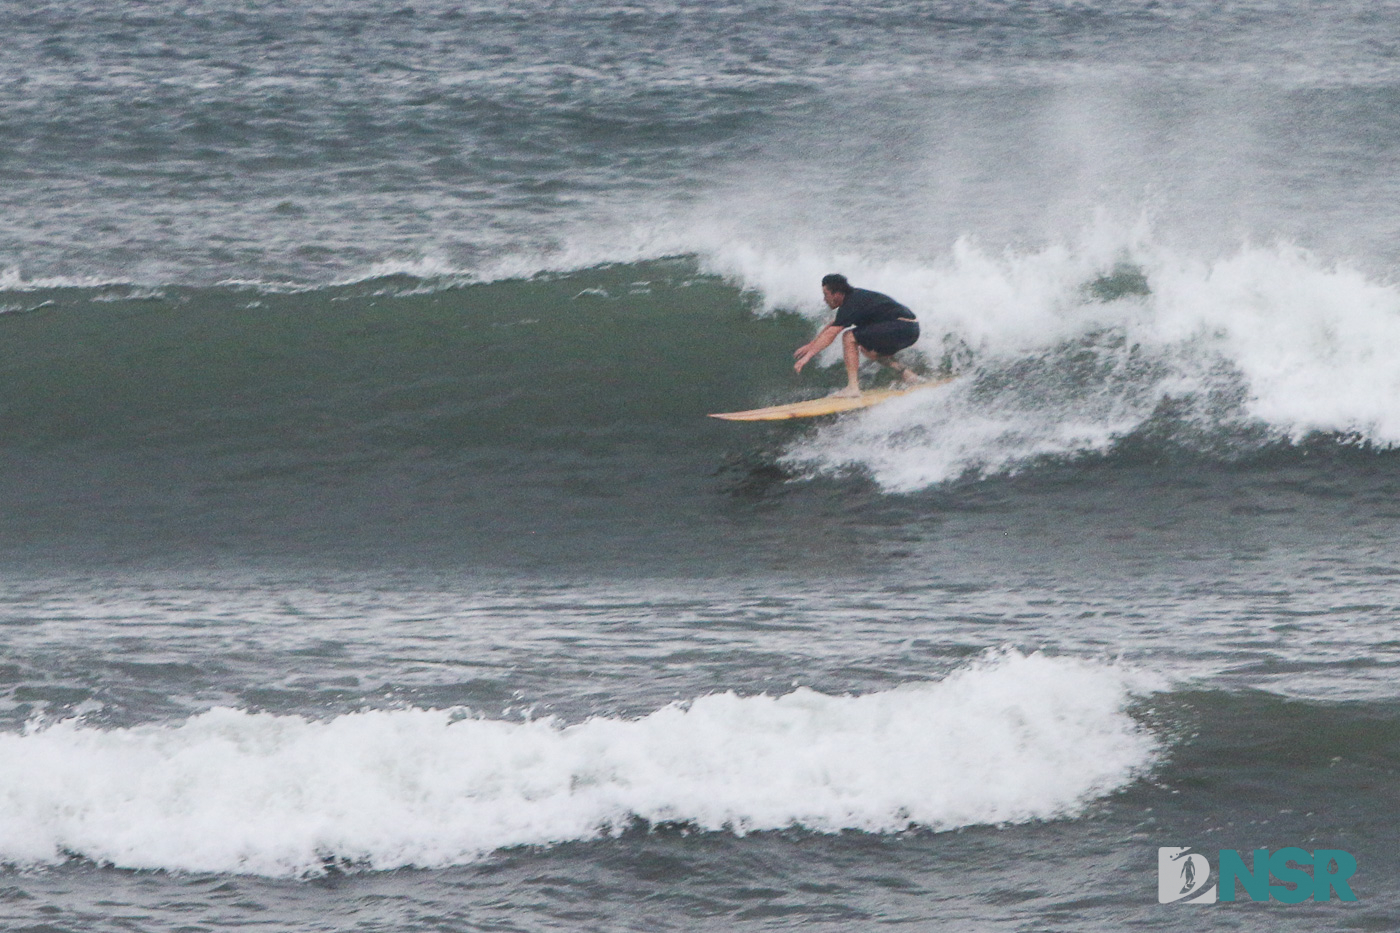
(804,353)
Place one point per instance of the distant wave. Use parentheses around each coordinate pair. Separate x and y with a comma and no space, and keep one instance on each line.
(1009,739)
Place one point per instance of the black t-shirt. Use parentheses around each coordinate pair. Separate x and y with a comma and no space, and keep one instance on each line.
(862,306)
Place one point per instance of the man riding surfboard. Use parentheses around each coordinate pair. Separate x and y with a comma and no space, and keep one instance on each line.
(867,322)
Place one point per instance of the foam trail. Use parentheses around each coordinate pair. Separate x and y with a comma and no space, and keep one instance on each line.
(1008,739)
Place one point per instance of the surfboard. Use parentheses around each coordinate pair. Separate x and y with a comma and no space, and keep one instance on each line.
(828,405)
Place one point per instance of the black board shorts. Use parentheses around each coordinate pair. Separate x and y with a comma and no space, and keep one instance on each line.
(887,338)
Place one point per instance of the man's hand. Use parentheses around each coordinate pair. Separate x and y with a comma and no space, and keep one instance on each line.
(804,353)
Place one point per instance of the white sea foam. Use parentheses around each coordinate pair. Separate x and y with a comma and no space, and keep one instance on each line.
(1270,338)
(15,280)
(1008,739)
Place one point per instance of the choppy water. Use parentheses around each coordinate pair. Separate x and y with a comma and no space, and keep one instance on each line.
(369,563)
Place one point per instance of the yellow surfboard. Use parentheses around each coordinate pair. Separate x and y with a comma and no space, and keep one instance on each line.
(828,405)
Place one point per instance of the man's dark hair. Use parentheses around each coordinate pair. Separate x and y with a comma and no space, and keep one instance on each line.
(837,283)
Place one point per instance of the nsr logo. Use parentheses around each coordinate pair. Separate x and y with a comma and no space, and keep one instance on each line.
(1182,875)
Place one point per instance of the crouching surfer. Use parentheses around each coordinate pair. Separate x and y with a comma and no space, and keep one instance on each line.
(867,322)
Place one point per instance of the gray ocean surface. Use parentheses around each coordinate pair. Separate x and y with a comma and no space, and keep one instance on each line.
(367,561)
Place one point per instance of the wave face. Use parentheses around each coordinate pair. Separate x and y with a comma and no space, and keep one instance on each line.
(394,416)
(1013,739)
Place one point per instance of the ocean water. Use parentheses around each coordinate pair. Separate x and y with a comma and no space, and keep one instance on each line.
(367,561)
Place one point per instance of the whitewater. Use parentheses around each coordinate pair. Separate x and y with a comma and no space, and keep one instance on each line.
(1015,739)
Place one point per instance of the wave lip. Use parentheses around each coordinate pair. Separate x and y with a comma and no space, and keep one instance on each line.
(1009,739)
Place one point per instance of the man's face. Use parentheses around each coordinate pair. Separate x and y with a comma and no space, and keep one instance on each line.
(833,299)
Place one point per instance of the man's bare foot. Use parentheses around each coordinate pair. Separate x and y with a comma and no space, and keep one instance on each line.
(847,392)
(912,378)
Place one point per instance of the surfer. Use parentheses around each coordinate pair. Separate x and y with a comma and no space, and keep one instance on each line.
(867,322)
